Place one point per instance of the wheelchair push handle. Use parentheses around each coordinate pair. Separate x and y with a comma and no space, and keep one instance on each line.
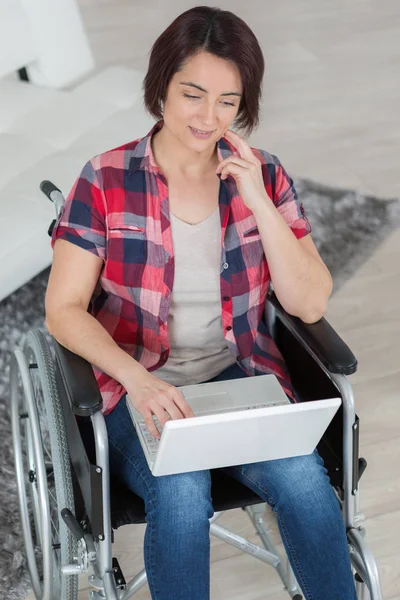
(48,187)
(72,524)
(53,193)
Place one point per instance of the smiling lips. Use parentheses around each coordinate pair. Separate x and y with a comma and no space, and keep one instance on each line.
(201,134)
(200,131)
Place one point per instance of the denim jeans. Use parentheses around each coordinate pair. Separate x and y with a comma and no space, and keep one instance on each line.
(178,509)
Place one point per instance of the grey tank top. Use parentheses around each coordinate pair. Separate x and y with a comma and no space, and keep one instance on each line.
(198,348)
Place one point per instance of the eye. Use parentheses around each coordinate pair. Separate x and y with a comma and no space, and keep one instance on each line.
(198,97)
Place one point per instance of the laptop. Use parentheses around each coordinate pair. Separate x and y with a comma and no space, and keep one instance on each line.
(238,421)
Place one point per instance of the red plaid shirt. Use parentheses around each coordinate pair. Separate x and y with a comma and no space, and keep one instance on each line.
(118,210)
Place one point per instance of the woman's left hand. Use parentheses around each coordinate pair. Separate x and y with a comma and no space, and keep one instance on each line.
(246,171)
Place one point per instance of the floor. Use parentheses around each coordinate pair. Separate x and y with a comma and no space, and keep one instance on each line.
(331,113)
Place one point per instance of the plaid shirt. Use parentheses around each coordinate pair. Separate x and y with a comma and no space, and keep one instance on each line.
(118,210)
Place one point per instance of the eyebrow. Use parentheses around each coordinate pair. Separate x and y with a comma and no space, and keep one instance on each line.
(191,84)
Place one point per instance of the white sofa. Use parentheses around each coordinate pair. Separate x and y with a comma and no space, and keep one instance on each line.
(49,132)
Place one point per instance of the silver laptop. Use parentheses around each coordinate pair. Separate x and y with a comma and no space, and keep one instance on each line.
(236,422)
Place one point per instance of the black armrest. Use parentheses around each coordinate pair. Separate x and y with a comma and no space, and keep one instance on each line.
(79,381)
(319,338)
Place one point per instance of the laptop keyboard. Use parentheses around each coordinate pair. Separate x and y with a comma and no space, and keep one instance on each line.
(153,443)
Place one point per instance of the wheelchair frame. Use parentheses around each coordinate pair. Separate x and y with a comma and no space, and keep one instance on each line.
(327,351)
(363,562)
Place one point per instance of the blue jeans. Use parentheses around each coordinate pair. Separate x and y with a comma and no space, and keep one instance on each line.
(178,509)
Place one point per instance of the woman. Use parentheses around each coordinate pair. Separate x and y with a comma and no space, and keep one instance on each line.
(173,239)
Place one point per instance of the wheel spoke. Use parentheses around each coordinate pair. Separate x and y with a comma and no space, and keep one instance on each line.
(54,526)
(53,497)
(47,452)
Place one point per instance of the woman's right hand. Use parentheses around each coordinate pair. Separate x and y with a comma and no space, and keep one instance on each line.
(152,396)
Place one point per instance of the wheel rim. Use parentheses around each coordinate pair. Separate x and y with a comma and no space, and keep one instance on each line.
(31,483)
(26,410)
(19,412)
(51,489)
(39,406)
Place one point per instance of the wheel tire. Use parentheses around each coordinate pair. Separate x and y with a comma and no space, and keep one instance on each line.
(49,470)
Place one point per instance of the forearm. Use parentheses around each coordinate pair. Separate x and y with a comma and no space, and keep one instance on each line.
(82,334)
(301,282)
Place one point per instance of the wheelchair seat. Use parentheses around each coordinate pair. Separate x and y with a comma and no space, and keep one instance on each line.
(128,508)
(226,492)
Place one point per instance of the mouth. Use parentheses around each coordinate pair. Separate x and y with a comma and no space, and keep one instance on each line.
(201,134)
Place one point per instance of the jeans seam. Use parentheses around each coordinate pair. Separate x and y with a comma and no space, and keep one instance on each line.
(153,505)
(272,503)
(299,571)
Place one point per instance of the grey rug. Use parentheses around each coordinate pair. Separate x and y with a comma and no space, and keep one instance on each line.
(347,228)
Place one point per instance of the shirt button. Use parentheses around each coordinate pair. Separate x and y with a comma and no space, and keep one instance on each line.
(225,265)
(228,328)
(226,298)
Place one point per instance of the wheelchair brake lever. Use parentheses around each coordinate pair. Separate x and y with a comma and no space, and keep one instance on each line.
(72,524)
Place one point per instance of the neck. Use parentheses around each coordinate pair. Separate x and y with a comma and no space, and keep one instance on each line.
(174,157)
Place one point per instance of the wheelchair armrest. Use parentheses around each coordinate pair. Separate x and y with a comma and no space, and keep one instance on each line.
(79,381)
(319,339)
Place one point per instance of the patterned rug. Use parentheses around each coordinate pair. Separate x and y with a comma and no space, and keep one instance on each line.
(347,229)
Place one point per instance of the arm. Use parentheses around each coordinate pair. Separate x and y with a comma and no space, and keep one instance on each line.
(301,280)
(79,239)
(73,277)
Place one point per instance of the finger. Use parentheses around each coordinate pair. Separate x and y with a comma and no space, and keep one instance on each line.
(244,149)
(183,405)
(232,169)
(170,409)
(232,159)
(151,426)
(173,408)
(159,411)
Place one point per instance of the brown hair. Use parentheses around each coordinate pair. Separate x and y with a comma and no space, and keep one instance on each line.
(213,30)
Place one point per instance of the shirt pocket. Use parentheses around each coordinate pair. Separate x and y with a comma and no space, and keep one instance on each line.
(252,233)
(130,252)
(126,252)
(252,249)
(257,272)
(127,244)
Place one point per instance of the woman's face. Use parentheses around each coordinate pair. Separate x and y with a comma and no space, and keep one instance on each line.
(211,109)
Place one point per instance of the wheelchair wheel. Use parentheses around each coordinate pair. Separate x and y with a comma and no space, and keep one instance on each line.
(43,469)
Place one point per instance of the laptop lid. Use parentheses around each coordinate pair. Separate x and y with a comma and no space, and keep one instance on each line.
(242,437)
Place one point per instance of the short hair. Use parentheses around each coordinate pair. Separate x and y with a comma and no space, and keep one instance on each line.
(222,34)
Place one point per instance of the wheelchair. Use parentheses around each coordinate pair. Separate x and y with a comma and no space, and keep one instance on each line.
(70,504)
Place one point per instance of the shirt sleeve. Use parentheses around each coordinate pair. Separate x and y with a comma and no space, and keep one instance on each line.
(286,200)
(82,220)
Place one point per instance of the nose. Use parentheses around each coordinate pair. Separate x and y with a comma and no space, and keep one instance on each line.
(208,113)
